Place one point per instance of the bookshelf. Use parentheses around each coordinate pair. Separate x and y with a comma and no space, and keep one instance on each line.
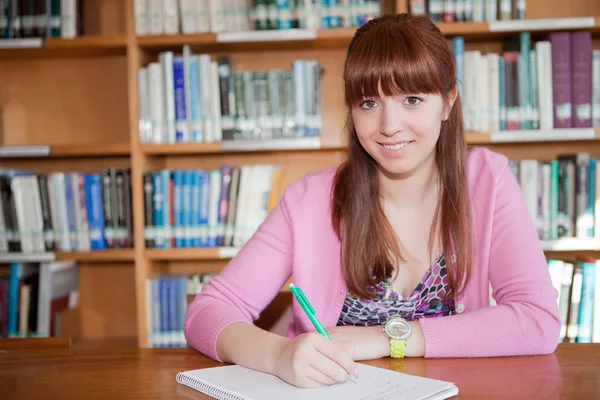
(79,97)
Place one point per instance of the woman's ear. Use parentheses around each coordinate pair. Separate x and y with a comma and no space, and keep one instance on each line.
(449,104)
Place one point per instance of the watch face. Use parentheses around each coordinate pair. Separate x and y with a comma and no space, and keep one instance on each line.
(398,329)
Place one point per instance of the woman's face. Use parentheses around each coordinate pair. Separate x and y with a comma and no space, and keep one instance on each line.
(400,132)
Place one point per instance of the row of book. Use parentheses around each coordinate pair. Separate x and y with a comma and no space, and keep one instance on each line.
(65,211)
(33,297)
(208,208)
(562,195)
(191,98)
(41,18)
(549,84)
(171,17)
(167,299)
(469,10)
(578,286)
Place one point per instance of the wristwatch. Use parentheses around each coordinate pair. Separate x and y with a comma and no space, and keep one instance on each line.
(398,331)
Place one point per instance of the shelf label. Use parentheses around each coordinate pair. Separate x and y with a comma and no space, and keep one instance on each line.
(535,135)
(541,24)
(267,36)
(228,252)
(299,143)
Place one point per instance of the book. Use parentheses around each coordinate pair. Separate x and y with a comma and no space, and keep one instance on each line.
(235,382)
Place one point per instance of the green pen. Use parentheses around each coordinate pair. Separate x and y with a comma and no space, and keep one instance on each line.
(310,312)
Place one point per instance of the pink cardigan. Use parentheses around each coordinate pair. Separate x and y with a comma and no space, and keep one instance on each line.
(297,239)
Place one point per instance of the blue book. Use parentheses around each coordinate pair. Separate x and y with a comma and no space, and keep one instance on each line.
(173,311)
(502,73)
(95,211)
(195,101)
(586,308)
(166,206)
(178,208)
(458,48)
(284,21)
(165,323)
(591,194)
(186,195)
(195,207)
(181,124)
(158,210)
(156,339)
(204,204)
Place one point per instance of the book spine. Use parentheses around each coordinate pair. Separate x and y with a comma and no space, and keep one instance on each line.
(95,214)
(561,78)
(149,237)
(581,62)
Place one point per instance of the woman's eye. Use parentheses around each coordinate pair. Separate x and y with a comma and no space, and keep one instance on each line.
(368,104)
(413,100)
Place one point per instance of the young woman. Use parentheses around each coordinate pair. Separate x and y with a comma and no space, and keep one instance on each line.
(415,246)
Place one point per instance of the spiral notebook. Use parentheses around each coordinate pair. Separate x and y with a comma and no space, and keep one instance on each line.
(238,383)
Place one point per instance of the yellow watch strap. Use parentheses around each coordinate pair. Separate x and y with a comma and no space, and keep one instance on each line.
(397,348)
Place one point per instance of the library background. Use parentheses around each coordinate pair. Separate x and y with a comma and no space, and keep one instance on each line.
(143,142)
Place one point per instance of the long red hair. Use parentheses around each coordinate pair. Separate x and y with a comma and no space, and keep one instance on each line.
(401,54)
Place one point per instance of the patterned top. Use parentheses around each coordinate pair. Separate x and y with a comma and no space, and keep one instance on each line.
(423,302)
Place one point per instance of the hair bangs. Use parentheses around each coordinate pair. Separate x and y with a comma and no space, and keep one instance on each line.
(389,63)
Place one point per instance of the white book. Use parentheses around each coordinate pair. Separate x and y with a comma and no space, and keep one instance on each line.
(596,317)
(217,16)
(528,180)
(144,123)
(494,92)
(54,211)
(170,17)
(63,212)
(546,210)
(491,10)
(166,61)
(36,212)
(216,102)
(206,93)
(483,83)
(156,100)
(68,20)
(202,14)
(187,54)
(141,17)
(242,205)
(21,202)
(596,92)
(188,16)
(237,382)
(155,17)
(543,51)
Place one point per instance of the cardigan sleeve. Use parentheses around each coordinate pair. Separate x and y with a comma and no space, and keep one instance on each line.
(525,320)
(246,285)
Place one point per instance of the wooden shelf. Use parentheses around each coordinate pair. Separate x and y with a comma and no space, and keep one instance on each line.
(571,244)
(66,151)
(214,253)
(82,46)
(91,150)
(299,144)
(340,37)
(99,256)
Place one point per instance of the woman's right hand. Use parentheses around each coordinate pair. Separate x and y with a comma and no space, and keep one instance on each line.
(311,360)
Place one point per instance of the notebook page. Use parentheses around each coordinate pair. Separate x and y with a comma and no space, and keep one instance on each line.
(373,384)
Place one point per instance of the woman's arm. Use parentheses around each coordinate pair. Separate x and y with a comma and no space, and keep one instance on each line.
(525,319)
(246,285)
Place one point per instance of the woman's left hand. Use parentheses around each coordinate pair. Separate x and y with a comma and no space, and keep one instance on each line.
(368,341)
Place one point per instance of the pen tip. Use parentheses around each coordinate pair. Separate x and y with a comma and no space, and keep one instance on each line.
(292,285)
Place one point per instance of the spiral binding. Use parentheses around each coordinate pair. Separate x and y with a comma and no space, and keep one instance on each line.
(207,388)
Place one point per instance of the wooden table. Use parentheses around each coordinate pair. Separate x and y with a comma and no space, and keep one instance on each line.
(572,372)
